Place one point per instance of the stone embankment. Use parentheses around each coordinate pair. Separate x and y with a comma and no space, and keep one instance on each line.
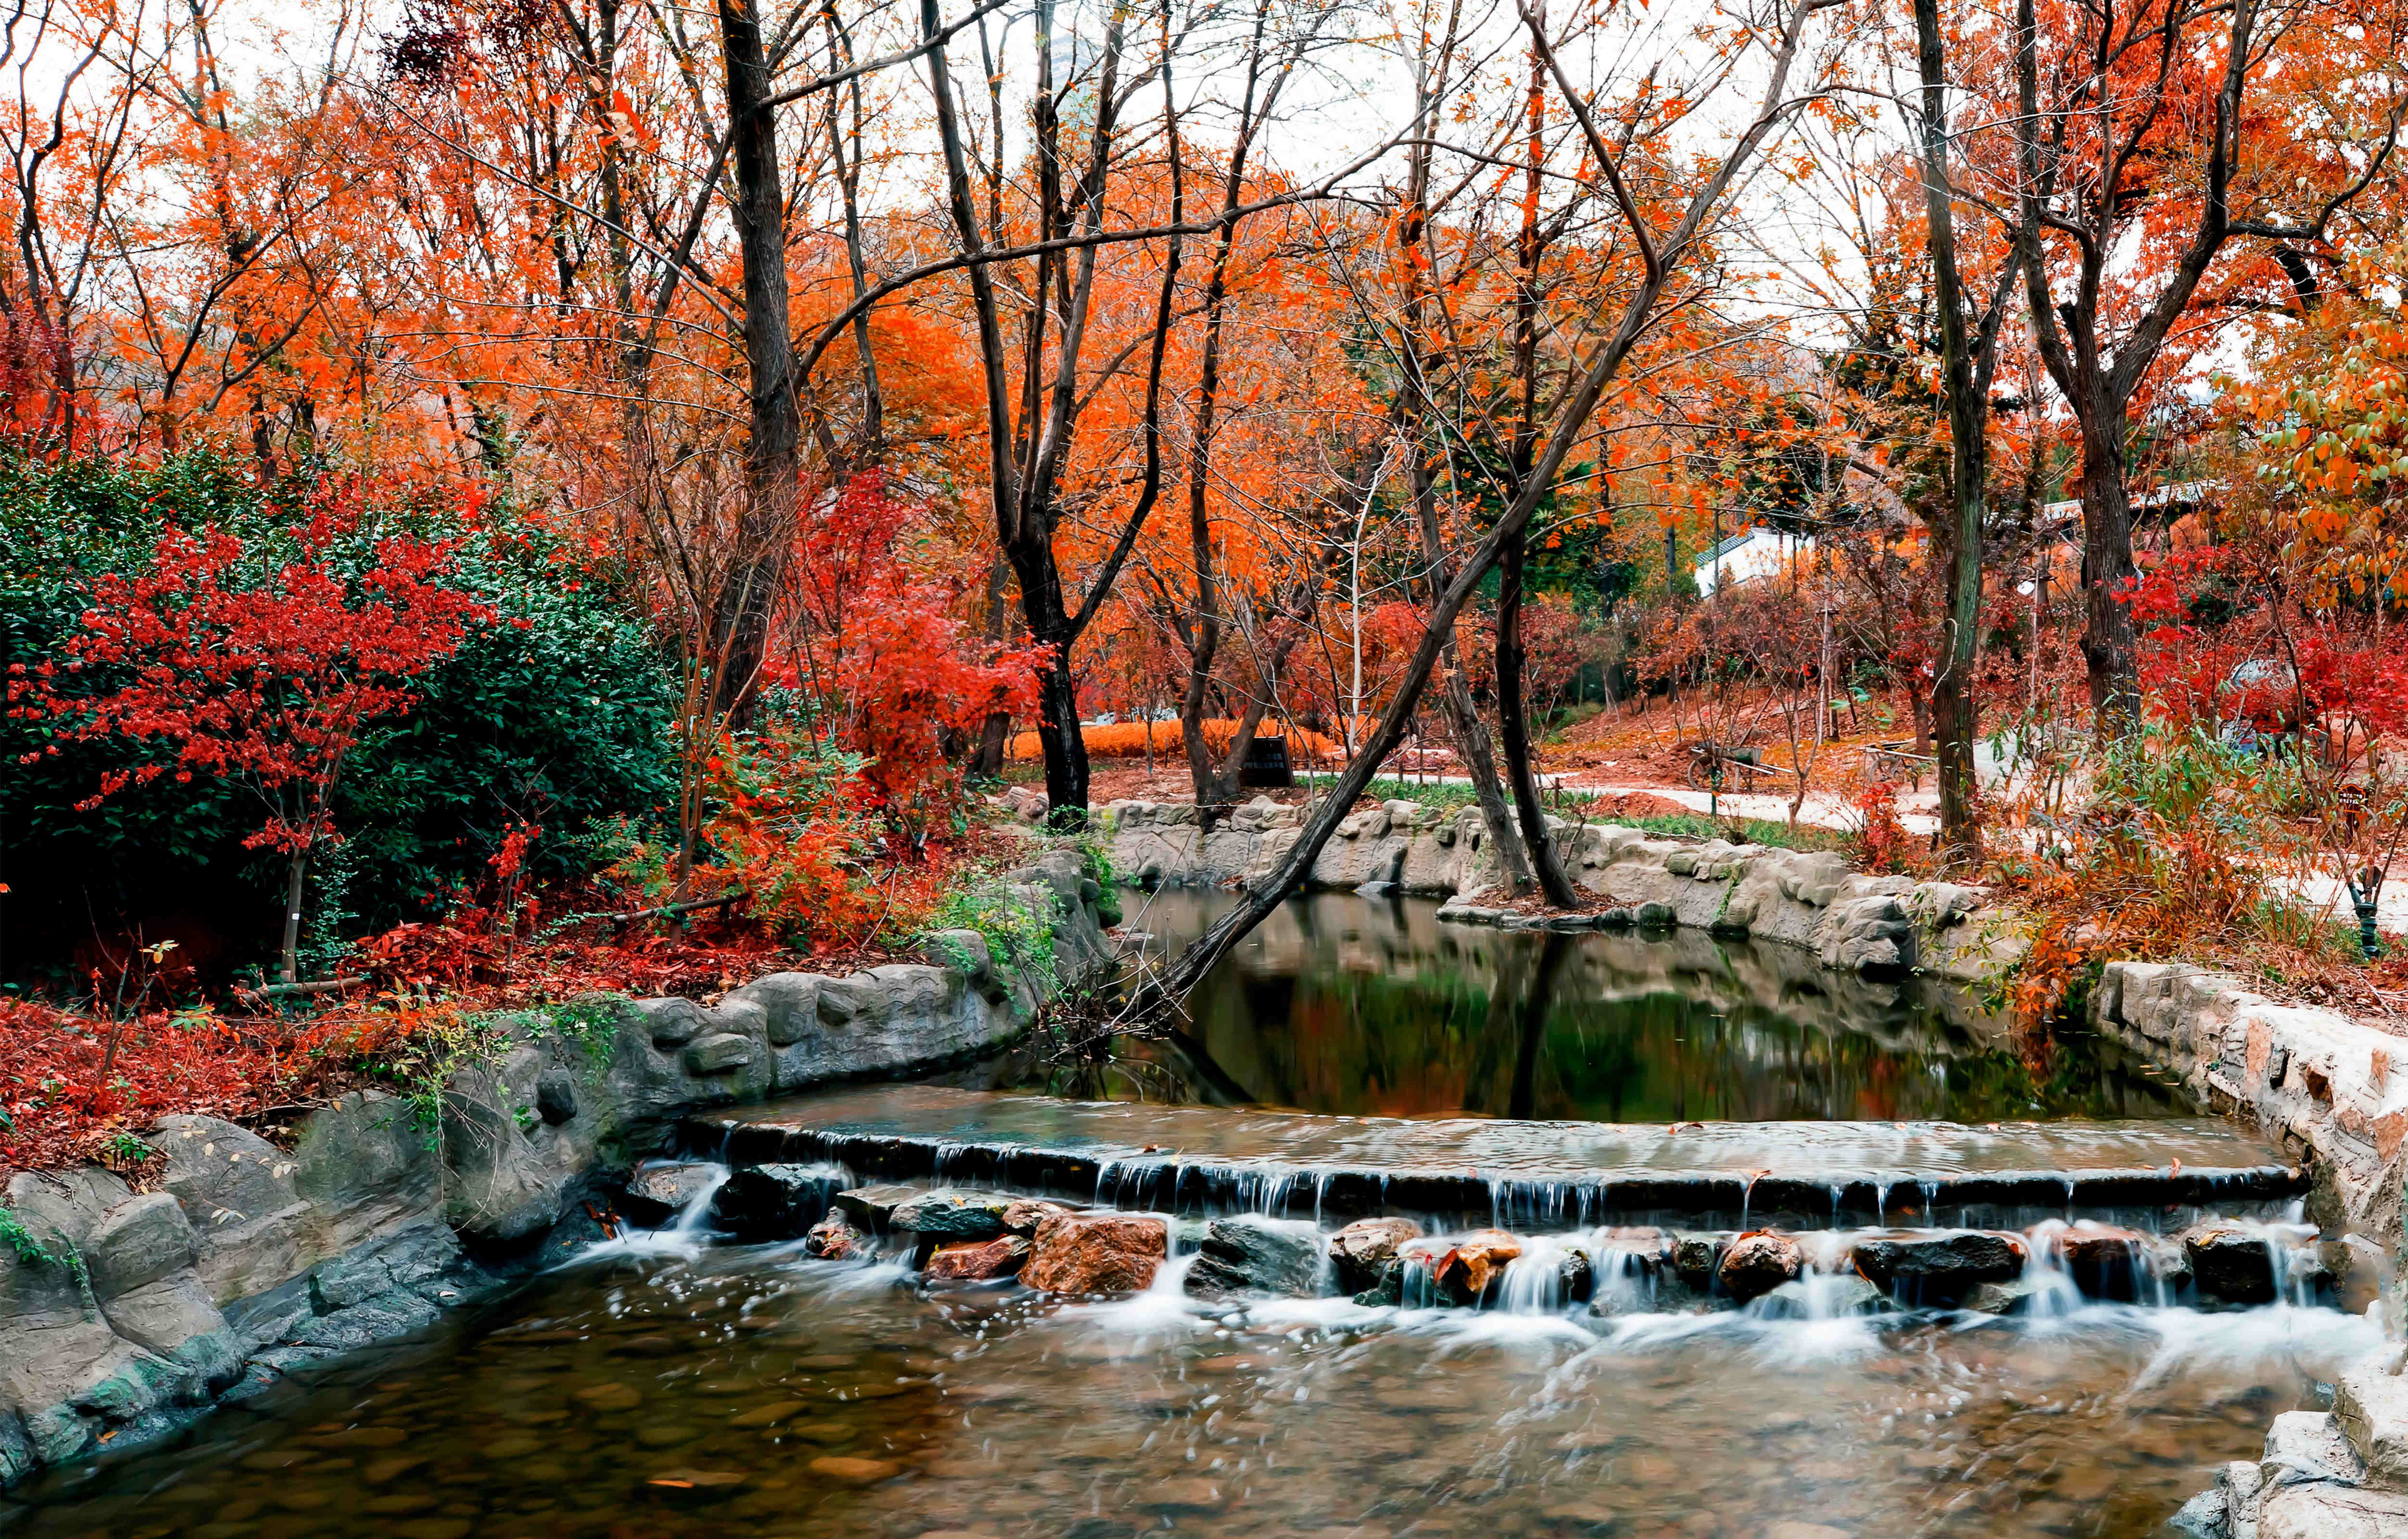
(1849,920)
(123,1314)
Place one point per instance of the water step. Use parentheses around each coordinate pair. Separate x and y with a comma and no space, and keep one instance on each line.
(1213,1160)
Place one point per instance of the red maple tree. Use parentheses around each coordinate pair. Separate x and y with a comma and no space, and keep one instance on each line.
(260,673)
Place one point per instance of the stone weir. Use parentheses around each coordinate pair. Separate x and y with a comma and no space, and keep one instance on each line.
(1195,1159)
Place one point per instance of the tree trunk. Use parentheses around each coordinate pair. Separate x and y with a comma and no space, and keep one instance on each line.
(2109,645)
(752,571)
(1513,727)
(295,880)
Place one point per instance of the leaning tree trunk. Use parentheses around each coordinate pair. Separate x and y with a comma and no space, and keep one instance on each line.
(1513,727)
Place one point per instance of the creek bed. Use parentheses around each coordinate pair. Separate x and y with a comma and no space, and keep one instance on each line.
(668,1389)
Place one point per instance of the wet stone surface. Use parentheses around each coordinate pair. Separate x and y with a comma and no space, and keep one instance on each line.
(751,1391)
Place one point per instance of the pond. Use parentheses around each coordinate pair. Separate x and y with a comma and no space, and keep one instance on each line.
(1373,1007)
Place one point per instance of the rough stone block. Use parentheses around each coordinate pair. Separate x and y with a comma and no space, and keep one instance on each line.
(2371,1405)
(722,1053)
(139,1242)
(164,1314)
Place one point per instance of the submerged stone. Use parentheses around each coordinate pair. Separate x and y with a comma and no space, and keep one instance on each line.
(660,1188)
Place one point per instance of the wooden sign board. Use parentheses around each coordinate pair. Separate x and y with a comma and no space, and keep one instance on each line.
(1267,764)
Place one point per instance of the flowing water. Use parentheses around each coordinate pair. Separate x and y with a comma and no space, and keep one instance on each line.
(674,1384)
(749,1391)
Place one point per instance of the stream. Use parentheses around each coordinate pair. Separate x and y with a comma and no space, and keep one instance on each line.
(675,1382)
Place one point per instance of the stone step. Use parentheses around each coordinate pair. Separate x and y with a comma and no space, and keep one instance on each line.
(1202,1159)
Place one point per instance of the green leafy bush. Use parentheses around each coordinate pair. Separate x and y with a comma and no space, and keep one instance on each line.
(553,713)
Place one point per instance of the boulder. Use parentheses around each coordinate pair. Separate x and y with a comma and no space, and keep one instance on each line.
(835,1239)
(2014,1298)
(1246,1257)
(237,1192)
(1575,1276)
(721,1052)
(139,1242)
(774,1202)
(660,1188)
(1365,1251)
(1940,1268)
(365,1164)
(1757,1263)
(2232,1263)
(555,1096)
(998,1258)
(951,1216)
(1096,1253)
(1463,1272)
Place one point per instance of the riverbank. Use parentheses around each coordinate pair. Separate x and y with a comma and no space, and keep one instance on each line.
(125,1315)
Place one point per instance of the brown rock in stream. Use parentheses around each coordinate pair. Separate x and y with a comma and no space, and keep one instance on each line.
(1097,1252)
(835,1239)
(1364,1250)
(2104,1261)
(1757,1263)
(998,1258)
(1464,1272)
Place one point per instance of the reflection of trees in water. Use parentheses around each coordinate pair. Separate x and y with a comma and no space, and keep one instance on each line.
(1372,1009)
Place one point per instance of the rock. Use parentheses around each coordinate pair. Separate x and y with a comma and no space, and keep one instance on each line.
(1695,1259)
(1023,1215)
(2231,1263)
(2201,1518)
(660,1189)
(1869,934)
(238,1193)
(951,1216)
(1387,1290)
(1365,1251)
(1939,1269)
(1653,916)
(998,1258)
(366,1164)
(1464,1269)
(775,1202)
(872,1206)
(1576,1277)
(2104,1262)
(1242,1257)
(139,1242)
(1757,1263)
(2370,1405)
(835,1239)
(721,1052)
(1096,1253)
(555,1096)
(2332,1512)
(164,1314)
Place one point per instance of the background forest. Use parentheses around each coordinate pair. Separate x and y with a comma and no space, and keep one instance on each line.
(502,498)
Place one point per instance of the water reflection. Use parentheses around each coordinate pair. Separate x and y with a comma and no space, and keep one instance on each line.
(1372,1007)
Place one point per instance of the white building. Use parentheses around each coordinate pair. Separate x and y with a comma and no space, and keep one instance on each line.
(1747,555)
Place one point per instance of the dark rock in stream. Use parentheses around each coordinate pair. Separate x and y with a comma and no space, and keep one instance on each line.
(1939,1269)
(1757,1263)
(765,1203)
(2104,1262)
(943,1215)
(660,1189)
(2231,1263)
(1365,1251)
(1240,1256)
(1576,1277)
(1695,1258)
(872,1207)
